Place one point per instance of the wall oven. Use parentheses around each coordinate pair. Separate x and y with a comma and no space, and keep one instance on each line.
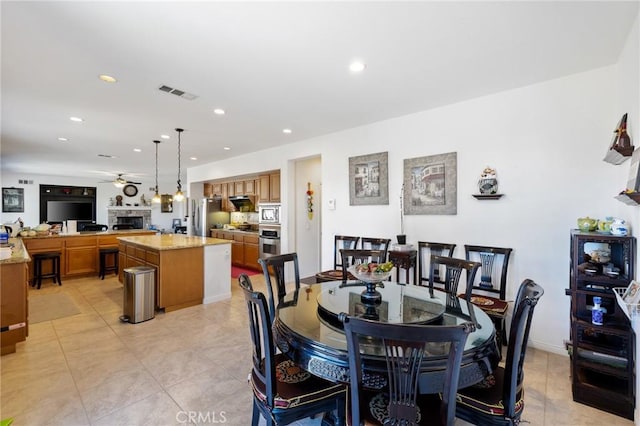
(269,240)
(268,213)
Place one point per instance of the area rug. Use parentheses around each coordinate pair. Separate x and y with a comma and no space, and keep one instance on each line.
(48,307)
(236,271)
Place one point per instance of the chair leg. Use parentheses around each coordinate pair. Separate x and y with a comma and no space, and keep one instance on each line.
(255,418)
(57,262)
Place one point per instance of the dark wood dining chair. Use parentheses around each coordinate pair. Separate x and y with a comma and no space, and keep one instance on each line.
(499,399)
(283,392)
(339,242)
(94,227)
(425,250)
(358,256)
(275,268)
(453,270)
(489,290)
(368,243)
(404,346)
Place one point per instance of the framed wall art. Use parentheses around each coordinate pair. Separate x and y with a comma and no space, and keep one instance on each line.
(13,200)
(431,184)
(369,179)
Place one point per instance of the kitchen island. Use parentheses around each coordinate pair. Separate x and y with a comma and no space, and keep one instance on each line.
(189,270)
(13,297)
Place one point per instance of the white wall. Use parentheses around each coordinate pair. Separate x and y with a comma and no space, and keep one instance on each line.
(104,191)
(546,142)
(307,231)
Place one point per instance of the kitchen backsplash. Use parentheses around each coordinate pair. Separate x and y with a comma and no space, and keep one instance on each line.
(238,217)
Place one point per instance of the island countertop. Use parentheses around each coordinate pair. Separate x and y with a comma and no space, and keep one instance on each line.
(172,241)
(18,253)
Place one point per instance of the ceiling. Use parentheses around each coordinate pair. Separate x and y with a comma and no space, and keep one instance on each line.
(270,66)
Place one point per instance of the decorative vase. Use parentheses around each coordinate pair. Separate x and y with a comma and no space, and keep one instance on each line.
(488,183)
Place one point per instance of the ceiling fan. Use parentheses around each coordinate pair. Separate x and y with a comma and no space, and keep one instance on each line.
(120,182)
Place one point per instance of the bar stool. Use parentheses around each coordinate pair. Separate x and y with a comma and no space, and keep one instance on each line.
(104,252)
(38,258)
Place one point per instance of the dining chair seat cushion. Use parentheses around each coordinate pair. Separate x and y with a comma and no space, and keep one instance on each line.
(486,396)
(491,305)
(374,409)
(295,387)
(332,275)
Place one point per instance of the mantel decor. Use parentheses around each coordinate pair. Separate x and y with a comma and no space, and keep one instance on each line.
(369,179)
(431,184)
(13,200)
(488,185)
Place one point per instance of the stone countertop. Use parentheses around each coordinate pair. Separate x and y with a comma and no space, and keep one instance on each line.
(90,233)
(172,241)
(239,231)
(18,253)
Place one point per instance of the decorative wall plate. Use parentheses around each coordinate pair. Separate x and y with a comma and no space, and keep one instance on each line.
(130,190)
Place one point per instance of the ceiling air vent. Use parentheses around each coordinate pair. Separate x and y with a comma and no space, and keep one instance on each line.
(177,92)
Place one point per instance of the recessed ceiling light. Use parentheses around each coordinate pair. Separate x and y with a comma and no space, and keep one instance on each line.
(226,148)
(137,150)
(63,139)
(194,158)
(76,119)
(165,136)
(287,131)
(107,78)
(357,66)
(219,111)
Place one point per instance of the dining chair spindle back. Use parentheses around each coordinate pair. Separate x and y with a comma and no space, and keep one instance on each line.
(425,250)
(499,399)
(282,392)
(404,347)
(278,266)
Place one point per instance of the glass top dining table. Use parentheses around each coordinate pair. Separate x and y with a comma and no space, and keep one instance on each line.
(307,328)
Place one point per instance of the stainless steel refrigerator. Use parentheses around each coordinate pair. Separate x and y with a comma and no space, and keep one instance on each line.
(206,214)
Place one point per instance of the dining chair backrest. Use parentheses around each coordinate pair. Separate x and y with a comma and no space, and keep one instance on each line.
(475,402)
(357,256)
(425,250)
(342,242)
(493,270)
(368,243)
(453,272)
(94,227)
(528,296)
(279,265)
(261,337)
(405,346)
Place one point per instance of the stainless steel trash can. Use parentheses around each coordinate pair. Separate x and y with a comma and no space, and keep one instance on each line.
(139,298)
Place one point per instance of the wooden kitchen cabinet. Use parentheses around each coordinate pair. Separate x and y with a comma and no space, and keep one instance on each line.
(249,187)
(239,187)
(81,256)
(269,188)
(237,251)
(207,190)
(14,302)
(251,252)
(216,188)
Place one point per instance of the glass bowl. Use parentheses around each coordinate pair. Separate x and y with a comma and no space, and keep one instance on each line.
(369,277)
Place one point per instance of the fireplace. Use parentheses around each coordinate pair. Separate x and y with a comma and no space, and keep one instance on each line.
(136,221)
(138,217)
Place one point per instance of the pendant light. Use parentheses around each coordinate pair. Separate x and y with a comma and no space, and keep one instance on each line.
(179,195)
(156,196)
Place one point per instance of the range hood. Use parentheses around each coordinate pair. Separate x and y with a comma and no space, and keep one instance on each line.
(243,203)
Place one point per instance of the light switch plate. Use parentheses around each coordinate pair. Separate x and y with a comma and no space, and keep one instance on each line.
(332,204)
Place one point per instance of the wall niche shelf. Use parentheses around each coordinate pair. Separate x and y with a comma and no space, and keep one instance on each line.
(487,196)
(629,198)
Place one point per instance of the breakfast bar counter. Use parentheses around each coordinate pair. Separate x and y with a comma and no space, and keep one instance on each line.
(189,270)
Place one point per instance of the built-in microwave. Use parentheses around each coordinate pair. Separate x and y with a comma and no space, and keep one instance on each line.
(268,213)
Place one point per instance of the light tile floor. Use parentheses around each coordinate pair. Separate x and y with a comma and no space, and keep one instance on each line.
(91,369)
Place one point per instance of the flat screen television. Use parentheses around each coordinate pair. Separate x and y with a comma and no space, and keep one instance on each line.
(59,211)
